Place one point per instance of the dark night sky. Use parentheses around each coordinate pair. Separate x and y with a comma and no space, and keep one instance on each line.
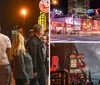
(62,4)
(10,13)
(95,4)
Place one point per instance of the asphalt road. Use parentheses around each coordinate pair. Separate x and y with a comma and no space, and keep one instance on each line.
(74,38)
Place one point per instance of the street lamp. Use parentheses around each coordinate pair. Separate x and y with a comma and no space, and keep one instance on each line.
(24,14)
(54,2)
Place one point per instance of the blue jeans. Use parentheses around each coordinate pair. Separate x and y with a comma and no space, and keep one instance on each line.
(5,74)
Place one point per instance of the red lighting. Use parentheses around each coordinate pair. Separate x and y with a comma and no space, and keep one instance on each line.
(52,69)
(96,11)
(83,64)
(55,63)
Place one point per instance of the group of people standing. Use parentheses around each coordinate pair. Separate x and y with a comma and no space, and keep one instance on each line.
(29,58)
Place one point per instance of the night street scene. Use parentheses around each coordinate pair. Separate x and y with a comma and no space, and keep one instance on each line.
(75,64)
(75,20)
(24,42)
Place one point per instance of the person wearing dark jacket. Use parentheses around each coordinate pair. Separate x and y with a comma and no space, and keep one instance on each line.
(36,50)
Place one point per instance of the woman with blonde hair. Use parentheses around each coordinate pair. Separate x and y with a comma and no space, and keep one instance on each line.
(22,62)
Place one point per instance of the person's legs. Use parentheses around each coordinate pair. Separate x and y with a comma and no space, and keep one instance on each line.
(42,77)
(5,73)
(9,74)
(19,81)
(34,81)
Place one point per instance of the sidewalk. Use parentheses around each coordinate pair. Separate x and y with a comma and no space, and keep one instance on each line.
(80,34)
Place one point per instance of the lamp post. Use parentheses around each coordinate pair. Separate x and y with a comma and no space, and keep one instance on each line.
(54,2)
(24,15)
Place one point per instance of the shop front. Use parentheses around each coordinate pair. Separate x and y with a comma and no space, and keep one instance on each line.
(77,25)
(87,25)
(69,29)
(69,25)
(96,25)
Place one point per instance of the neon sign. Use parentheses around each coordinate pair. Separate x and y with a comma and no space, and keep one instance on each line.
(44,6)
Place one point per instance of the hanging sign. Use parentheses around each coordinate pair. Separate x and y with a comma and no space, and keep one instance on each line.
(44,6)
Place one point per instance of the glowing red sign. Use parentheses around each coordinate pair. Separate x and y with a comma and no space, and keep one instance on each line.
(44,6)
(55,61)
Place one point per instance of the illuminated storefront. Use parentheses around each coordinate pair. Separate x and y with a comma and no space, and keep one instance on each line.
(96,25)
(77,25)
(69,24)
(69,28)
(57,27)
(87,25)
(73,25)
(53,27)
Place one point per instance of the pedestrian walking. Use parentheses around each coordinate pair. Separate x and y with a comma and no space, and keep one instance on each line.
(5,70)
(22,62)
(36,50)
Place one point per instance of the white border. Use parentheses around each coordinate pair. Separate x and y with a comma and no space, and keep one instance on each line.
(49,45)
(74,41)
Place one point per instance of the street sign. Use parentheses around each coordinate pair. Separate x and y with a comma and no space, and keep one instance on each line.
(80,10)
(73,56)
(14,32)
(75,71)
(80,56)
(73,63)
(77,56)
(90,11)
